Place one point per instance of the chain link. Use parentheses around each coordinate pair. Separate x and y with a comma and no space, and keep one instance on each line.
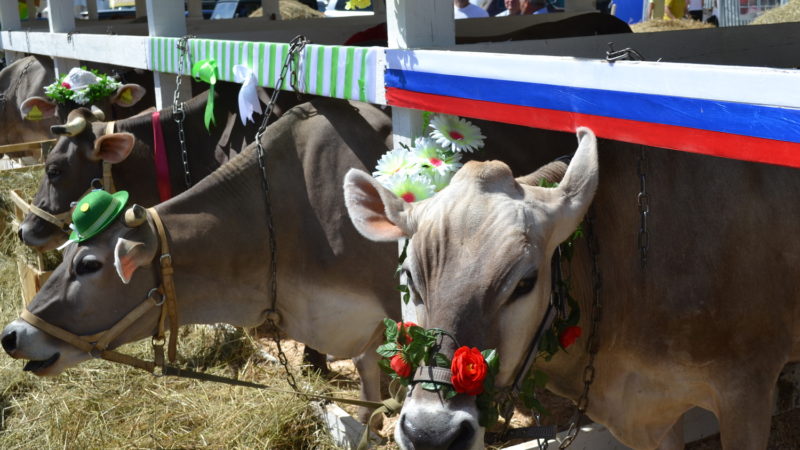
(591,342)
(643,200)
(178,112)
(13,90)
(295,47)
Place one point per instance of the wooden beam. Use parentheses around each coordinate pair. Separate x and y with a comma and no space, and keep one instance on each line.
(31,4)
(87,47)
(166,19)
(141,8)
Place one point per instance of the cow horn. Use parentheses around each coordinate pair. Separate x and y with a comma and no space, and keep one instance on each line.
(71,128)
(552,173)
(135,216)
(98,113)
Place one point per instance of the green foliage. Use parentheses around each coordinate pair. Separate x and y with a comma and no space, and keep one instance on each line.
(104,87)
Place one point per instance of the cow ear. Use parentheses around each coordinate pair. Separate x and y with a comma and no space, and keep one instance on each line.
(37,108)
(375,211)
(113,148)
(577,188)
(129,255)
(128,95)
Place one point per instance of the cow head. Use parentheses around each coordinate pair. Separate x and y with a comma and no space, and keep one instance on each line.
(478,267)
(70,167)
(99,282)
(38,108)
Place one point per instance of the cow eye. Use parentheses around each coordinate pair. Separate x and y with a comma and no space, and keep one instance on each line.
(53,172)
(524,286)
(88,265)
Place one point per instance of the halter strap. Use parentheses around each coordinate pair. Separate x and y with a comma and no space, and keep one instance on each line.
(61,220)
(163,297)
(108,179)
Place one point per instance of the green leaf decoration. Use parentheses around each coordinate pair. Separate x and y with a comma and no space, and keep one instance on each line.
(391,330)
(540,379)
(440,360)
(428,386)
(492,360)
(388,350)
(385,366)
(448,392)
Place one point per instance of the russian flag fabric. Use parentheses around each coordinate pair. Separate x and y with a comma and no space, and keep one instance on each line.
(745,113)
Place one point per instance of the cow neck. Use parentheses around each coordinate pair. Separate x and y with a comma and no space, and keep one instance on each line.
(163,297)
(217,228)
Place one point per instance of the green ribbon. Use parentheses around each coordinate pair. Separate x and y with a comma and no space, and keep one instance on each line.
(206,70)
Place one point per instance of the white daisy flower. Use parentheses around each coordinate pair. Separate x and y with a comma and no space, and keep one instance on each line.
(411,188)
(395,162)
(81,97)
(429,154)
(455,133)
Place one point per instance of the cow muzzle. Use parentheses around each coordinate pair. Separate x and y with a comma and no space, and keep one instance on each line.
(429,422)
(46,356)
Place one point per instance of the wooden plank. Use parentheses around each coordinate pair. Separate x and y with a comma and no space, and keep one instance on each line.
(32,145)
(166,18)
(61,18)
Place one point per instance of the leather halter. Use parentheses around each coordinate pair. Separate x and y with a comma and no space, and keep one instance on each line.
(163,297)
(63,219)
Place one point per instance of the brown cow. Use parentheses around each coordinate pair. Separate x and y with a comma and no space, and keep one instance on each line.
(327,296)
(76,160)
(710,321)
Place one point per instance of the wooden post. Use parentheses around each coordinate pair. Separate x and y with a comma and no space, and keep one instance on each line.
(61,18)
(9,19)
(141,9)
(379,7)
(416,24)
(270,8)
(91,7)
(166,19)
(195,9)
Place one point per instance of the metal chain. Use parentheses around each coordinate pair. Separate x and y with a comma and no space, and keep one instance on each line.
(178,113)
(643,200)
(591,343)
(295,47)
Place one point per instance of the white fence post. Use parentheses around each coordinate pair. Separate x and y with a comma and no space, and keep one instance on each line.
(61,17)
(9,19)
(416,24)
(166,19)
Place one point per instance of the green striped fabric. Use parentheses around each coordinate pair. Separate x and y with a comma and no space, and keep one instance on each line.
(330,71)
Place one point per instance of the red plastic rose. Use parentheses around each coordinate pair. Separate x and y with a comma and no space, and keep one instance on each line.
(403,337)
(66,85)
(469,370)
(569,336)
(400,366)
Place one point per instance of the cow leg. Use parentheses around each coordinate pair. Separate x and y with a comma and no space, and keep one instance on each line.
(370,374)
(745,417)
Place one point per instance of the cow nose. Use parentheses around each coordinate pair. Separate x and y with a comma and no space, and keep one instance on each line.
(19,233)
(9,341)
(425,438)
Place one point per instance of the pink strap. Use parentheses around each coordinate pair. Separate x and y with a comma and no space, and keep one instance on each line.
(160,157)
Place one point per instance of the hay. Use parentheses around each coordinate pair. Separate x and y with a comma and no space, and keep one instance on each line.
(789,12)
(292,9)
(654,25)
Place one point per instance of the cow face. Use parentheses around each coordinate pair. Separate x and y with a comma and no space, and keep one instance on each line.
(70,167)
(96,285)
(478,267)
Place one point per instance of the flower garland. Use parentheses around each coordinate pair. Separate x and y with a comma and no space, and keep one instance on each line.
(419,172)
(81,86)
(357,4)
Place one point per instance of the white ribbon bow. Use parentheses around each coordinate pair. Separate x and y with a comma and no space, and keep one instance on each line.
(248,96)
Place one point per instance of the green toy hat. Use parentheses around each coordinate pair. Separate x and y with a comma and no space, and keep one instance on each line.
(95,212)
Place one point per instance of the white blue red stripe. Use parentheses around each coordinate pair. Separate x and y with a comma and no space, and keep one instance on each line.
(563,93)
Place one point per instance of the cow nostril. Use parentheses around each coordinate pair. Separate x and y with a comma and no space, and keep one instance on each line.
(463,437)
(10,342)
(19,233)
